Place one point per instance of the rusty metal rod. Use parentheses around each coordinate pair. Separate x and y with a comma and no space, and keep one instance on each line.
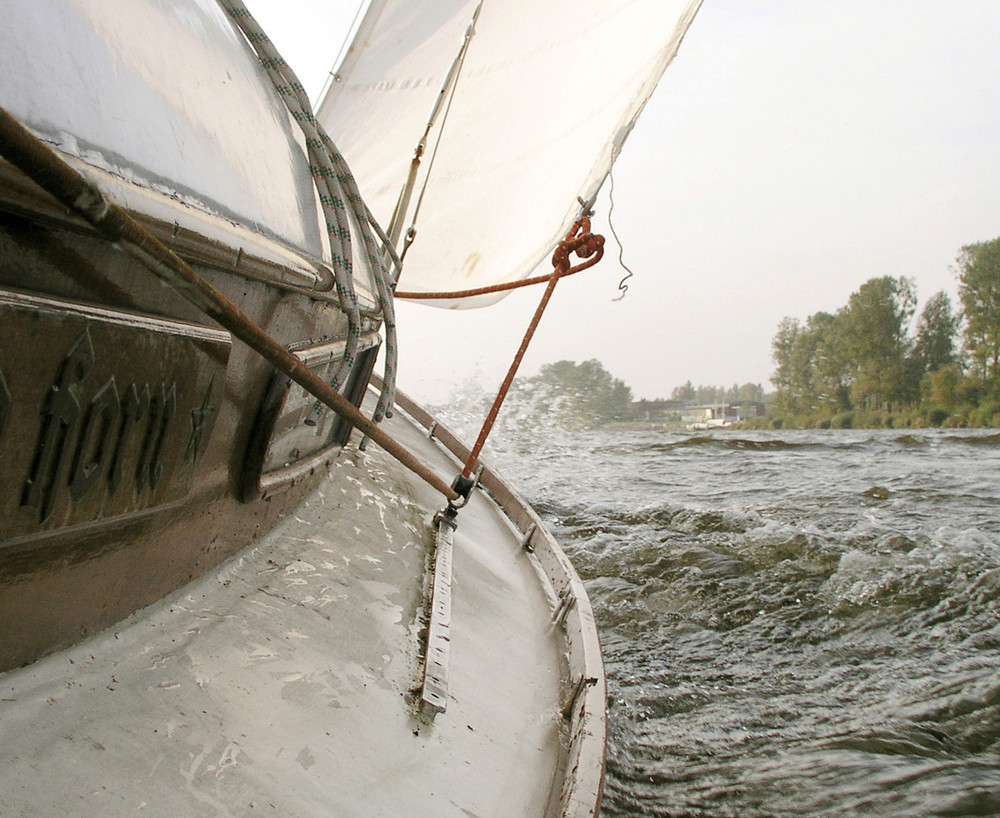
(40,163)
(583,243)
(491,416)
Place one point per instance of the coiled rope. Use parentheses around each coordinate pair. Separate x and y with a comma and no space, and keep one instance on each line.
(335,183)
(337,191)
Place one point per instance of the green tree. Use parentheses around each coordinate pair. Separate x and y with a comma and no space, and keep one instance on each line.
(831,377)
(709,394)
(937,328)
(940,388)
(979,292)
(581,394)
(750,393)
(873,331)
(811,374)
(683,393)
(785,377)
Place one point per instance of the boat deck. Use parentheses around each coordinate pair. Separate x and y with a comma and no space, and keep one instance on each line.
(282,683)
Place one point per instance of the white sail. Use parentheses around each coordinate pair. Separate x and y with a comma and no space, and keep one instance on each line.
(546,96)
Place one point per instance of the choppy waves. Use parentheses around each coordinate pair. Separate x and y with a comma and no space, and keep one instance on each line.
(793,623)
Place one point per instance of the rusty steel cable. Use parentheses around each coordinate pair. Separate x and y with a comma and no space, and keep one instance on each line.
(579,241)
(41,164)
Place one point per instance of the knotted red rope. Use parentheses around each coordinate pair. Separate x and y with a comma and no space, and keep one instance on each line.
(584,244)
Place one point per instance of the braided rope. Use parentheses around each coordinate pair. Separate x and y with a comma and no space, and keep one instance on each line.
(584,245)
(488,290)
(335,185)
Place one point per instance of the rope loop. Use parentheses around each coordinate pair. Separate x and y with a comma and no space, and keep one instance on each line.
(580,241)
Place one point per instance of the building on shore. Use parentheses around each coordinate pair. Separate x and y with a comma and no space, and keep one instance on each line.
(694,416)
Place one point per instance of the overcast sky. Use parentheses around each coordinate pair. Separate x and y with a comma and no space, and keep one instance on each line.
(792,151)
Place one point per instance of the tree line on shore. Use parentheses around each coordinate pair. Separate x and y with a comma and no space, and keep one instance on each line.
(863,365)
(869,364)
(735,394)
(586,395)
(575,394)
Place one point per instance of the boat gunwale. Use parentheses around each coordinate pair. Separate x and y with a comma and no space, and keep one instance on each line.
(585,707)
(249,255)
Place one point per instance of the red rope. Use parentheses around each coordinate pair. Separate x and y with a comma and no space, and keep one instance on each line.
(597,241)
(495,288)
(587,246)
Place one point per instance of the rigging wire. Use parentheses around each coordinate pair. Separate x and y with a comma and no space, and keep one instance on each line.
(622,286)
(333,75)
(446,96)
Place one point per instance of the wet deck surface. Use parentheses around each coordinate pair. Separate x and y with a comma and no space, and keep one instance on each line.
(281,683)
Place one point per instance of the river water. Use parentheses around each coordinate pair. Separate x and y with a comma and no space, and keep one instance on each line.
(794,623)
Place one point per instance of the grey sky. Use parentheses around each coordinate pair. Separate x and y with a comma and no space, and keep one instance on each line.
(792,151)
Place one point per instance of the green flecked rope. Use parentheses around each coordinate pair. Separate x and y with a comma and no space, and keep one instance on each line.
(337,191)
